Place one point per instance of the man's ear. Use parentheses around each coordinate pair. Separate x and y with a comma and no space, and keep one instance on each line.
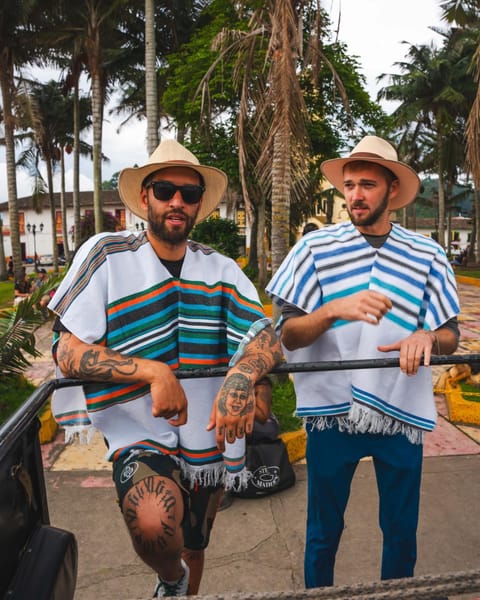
(143,198)
(394,189)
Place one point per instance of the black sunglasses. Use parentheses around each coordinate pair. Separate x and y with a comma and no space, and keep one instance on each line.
(166,190)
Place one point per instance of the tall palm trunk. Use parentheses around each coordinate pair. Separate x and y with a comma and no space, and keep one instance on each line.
(76,166)
(66,251)
(441,195)
(6,83)
(281,181)
(151,96)
(3,265)
(97,114)
(52,213)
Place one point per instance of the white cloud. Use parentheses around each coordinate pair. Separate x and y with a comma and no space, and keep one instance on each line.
(375,29)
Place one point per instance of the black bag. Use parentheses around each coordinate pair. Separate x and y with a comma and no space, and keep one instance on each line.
(270,467)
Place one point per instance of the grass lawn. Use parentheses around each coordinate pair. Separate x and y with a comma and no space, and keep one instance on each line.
(13,393)
(473,272)
(6,294)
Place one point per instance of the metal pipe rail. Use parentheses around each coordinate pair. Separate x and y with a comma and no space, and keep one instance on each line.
(21,419)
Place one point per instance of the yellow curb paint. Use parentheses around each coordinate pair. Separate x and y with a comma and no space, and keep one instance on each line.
(295,441)
(469,280)
(48,426)
(459,409)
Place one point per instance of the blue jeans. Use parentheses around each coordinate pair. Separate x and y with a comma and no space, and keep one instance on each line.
(332,457)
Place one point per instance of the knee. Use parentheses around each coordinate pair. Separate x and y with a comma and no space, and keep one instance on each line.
(153,514)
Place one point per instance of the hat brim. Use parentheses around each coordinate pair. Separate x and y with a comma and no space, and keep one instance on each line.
(130,185)
(409,182)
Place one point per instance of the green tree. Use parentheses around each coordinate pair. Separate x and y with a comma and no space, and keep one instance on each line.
(221,234)
(88,225)
(433,101)
(17,49)
(466,15)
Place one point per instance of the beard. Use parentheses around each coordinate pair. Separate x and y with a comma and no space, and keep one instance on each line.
(372,217)
(176,235)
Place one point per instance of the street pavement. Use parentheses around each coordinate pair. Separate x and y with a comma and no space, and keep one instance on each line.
(257,545)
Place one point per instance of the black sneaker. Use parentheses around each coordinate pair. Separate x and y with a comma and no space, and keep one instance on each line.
(226,501)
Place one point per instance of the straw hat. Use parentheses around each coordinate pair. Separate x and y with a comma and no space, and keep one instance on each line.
(376,150)
(170,153)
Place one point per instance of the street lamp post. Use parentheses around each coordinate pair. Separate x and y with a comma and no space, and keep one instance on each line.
(33,229)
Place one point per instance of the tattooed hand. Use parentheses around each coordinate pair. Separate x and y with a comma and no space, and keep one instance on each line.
(234,409)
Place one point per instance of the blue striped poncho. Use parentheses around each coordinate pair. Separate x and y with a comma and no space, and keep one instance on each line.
(335,262)
(118,293)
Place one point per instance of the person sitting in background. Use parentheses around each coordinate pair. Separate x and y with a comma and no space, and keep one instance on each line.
(10,267)
(45,298)
(22,288)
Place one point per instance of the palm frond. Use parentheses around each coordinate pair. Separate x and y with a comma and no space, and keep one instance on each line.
(17,330)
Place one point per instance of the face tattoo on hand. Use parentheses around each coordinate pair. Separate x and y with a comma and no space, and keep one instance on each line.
(234,400)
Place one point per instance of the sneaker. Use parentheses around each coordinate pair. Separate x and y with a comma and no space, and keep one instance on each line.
(165,589)
(226,501)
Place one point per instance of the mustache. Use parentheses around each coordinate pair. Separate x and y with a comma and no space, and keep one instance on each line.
(359,204)
(175,211)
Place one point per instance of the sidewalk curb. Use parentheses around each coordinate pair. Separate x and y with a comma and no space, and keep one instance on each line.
(295,441)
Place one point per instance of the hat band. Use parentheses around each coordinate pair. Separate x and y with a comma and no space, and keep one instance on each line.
(367,155)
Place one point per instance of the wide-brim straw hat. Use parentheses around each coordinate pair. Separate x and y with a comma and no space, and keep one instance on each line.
(170,153)
(376,150)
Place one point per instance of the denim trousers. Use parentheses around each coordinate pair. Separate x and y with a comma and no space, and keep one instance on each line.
(332,457)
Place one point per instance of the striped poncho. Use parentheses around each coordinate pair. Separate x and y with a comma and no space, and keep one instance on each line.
(118,293)
(335,262)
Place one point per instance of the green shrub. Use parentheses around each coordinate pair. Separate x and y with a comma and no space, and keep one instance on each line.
(14,390)
(221,234)
(283,406)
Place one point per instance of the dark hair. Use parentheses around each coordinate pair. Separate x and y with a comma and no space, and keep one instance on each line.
(309,227)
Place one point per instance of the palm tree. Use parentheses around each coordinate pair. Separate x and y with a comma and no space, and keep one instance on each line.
(151,92)
(272,105)
(433,97)
(13,53)
(466,15)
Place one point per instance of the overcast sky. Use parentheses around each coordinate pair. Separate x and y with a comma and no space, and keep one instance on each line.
(372,29)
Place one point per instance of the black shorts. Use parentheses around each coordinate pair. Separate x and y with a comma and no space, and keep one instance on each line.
(200,503)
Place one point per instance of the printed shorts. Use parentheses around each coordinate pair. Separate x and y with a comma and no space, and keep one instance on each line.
(200,502)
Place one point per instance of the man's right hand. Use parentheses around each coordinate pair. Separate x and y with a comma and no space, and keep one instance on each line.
(168,397)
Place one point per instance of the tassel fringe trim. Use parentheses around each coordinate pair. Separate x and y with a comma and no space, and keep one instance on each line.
(360,420)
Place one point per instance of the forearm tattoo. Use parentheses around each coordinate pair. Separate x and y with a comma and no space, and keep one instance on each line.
(102,364)
(151,494)
(261,354)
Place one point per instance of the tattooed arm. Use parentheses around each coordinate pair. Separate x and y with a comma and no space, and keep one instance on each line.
(92,362)
(234,408)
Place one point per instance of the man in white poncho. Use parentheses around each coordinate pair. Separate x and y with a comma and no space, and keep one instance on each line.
(358,290)
(132,309)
